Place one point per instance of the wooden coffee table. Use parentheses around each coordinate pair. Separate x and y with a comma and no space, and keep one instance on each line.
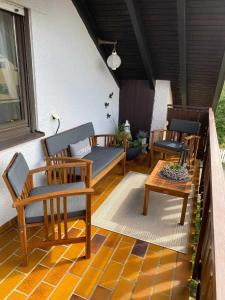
(158,184)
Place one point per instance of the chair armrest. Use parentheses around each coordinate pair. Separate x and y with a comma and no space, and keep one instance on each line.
(158,130)
(59,166)
(109,140)
(68,159)
(104,135)
(63,193)
(189,137)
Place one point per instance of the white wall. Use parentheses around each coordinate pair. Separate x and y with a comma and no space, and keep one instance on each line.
(71,80)
(163,97)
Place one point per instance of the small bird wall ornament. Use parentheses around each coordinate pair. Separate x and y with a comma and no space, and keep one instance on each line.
(110,95)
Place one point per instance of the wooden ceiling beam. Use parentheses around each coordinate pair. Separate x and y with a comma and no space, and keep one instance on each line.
(181,23)
(138,28)
(220,83)
(92,29)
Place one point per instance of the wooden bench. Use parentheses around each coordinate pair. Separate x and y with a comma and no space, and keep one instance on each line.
(105,155)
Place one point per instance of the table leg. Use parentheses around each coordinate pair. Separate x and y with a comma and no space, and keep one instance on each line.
(184,208)
(146,200)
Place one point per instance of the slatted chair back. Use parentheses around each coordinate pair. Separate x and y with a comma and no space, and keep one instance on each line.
(192,143)
(69,174)
(106,140)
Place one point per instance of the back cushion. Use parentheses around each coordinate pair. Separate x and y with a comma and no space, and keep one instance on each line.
(80,149)
(62,140)
(185,126)
(17,174)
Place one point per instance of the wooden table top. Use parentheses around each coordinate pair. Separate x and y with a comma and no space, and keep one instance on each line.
(158,183)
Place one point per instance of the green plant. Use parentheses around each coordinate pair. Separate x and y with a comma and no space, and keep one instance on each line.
(121,134)
(141,134)
(220,115)
(175,166)
(197,222)
(193,284)
(134,143)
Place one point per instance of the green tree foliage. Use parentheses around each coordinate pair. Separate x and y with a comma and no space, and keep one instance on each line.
(220,119)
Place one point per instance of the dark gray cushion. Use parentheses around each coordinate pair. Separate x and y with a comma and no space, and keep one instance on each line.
(62,140)
(17,174)
(170,145)
(76,205)
(102,157)
(185,126)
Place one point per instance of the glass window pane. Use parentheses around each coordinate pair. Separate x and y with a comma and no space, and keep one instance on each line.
(10,102)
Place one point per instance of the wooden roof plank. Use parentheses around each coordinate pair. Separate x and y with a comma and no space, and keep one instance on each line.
(220,82)
(91,27)
(141,40)
(181,23)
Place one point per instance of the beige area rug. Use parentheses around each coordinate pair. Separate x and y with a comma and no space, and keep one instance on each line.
(122,212)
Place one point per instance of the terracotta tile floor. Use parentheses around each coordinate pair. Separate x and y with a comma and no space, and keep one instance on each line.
(120,267)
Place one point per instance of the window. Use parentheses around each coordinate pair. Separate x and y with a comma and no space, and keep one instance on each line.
(17,108)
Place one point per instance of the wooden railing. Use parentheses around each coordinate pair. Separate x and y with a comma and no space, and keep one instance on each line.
(209,265)
(209,268)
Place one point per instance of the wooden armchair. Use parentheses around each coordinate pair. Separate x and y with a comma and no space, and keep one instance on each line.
(50,205)
(181,135)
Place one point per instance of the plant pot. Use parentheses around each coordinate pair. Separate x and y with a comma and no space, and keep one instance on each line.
(132,153)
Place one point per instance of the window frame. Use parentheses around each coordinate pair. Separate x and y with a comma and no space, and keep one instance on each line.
(20,131)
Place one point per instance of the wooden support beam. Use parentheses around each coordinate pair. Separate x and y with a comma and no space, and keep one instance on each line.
(219,85)
(138,27)
(92,29)
(181,23)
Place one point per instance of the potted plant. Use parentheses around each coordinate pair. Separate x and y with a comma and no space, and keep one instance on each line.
(134,149)
(142,136)
(133,145)
(121,134)
(175,172)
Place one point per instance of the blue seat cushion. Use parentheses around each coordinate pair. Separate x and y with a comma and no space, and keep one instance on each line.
(170,145)
(102,157)
(76,205)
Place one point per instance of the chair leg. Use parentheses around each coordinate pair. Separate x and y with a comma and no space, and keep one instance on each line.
(23,236)
(23,240)
(124,166)
(151,157)
(88,227)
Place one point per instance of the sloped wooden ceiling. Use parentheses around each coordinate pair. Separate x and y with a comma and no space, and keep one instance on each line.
(185,42)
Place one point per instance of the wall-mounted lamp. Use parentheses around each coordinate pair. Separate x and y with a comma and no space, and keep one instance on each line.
(113,61)
(56,117)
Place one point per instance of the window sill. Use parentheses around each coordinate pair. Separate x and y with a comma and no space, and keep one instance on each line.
(20,140)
